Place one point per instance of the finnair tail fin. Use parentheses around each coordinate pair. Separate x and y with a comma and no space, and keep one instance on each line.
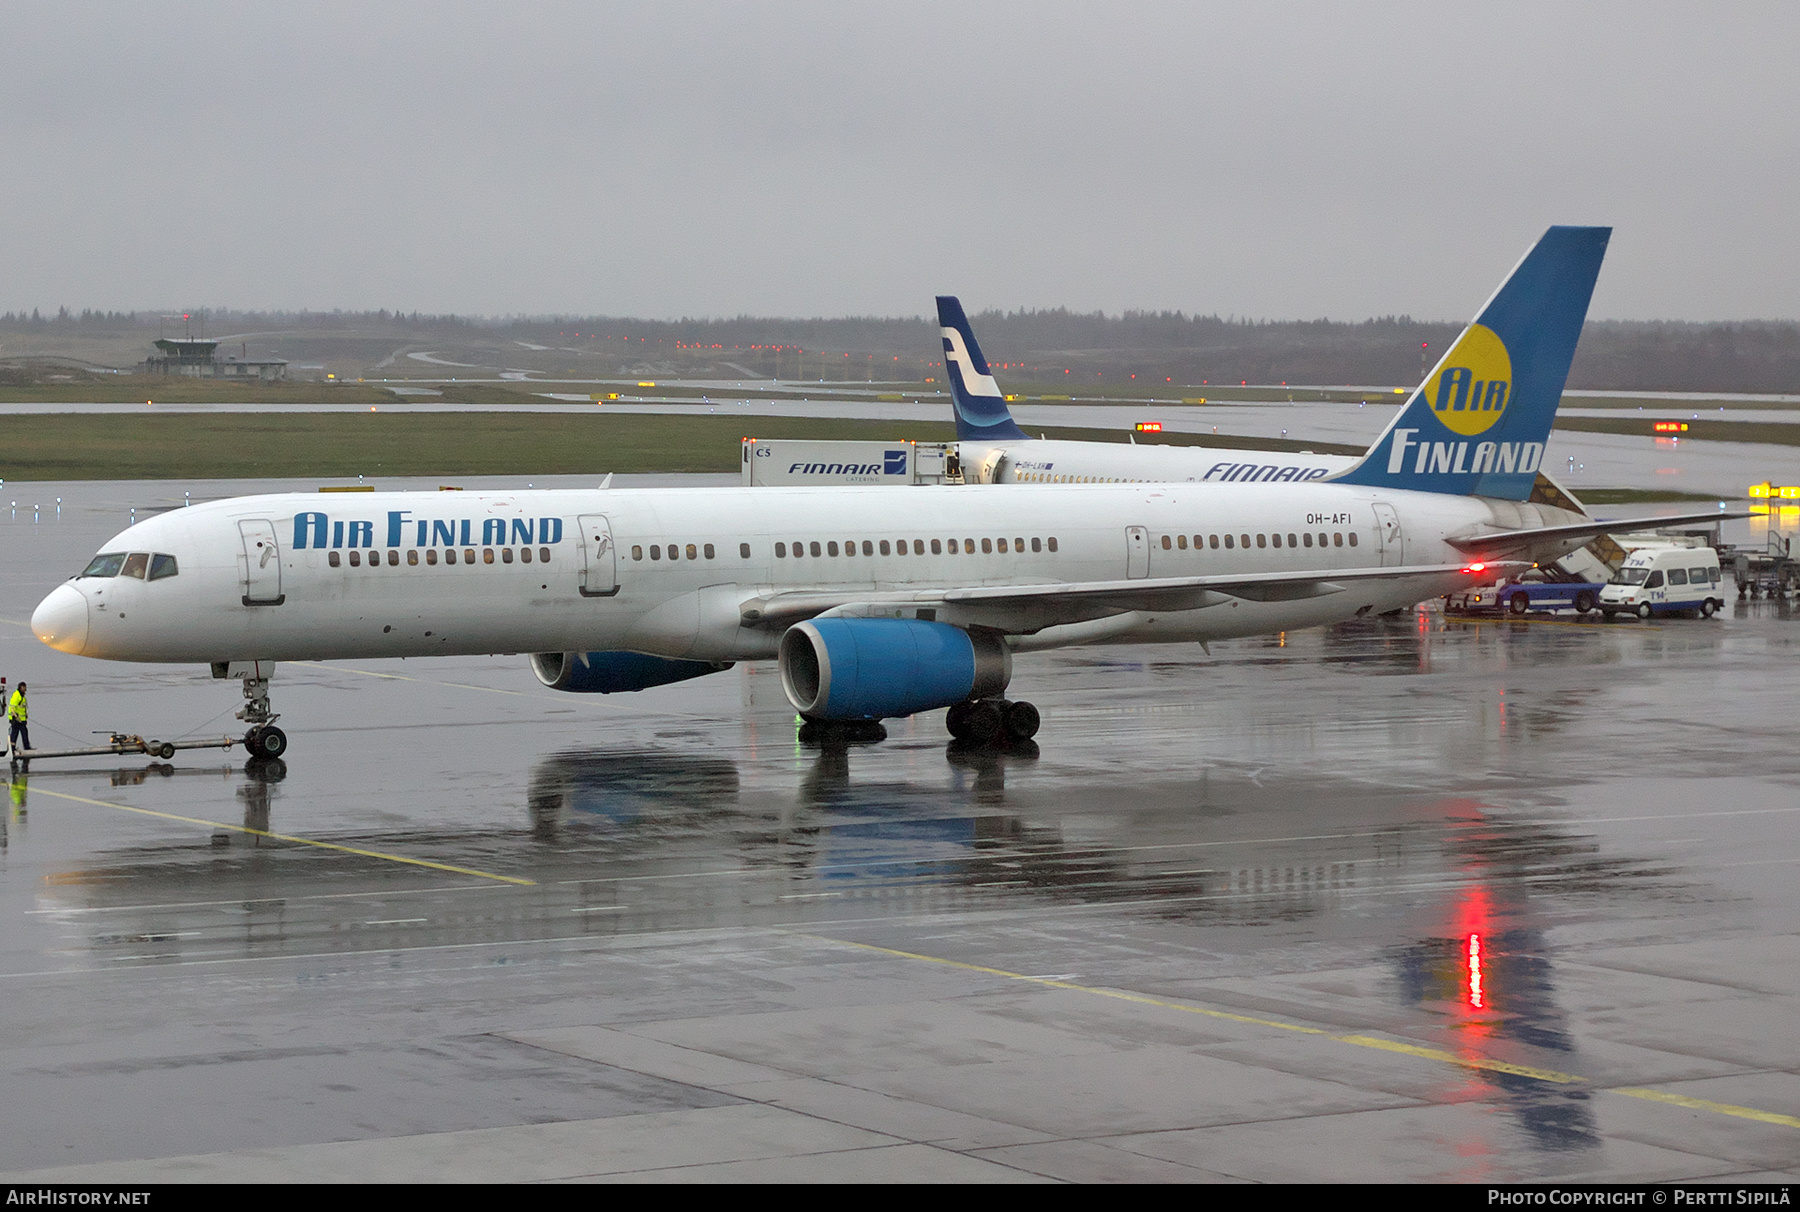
(980,407)
(1478,423)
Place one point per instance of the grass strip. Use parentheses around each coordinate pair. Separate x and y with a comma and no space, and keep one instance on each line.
(1776,433)
(1638,496)
(137,389)
(182,446)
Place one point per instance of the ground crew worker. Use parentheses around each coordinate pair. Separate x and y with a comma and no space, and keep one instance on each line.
(4,702)
(17,716)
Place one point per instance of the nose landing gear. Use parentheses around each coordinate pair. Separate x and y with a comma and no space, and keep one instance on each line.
(263,740)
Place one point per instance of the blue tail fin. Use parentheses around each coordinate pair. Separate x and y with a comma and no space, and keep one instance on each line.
(981,410)
(1478,423)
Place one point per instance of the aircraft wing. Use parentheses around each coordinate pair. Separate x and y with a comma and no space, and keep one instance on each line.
(1030,607)
(1512,542)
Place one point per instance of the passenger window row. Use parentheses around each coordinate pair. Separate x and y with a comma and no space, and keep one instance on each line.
(488,556)
(1333,539)
(144,565)
(870,547)
(850,547)
(694,552)
(1039,477)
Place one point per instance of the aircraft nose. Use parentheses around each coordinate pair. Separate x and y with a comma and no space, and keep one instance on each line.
(61,620)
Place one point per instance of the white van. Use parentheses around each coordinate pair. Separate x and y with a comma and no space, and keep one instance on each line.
(1664,580)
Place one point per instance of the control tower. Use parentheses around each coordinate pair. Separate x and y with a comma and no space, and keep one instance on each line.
(198,358)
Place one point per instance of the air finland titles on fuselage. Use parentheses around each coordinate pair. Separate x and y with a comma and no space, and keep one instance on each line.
(877,601)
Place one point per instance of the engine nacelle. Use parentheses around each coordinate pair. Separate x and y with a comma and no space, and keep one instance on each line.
(873,669)
(612,672)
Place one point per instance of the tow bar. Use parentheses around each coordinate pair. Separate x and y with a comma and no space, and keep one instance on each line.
(122,743)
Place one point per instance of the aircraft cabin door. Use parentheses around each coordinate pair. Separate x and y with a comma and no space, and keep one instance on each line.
(599,563)
(262,563)
(1137,552)
(1393,542)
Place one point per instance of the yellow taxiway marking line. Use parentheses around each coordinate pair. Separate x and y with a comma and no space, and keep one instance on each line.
(1702,1104)
(286,837)
(1360,1041)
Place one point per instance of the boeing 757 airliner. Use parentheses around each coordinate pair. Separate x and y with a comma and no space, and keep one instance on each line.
(876,602)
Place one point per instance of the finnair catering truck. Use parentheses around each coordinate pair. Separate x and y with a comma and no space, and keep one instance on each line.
(794,462)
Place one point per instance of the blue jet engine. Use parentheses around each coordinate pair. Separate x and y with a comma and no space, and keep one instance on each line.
(873,669)
(612,672)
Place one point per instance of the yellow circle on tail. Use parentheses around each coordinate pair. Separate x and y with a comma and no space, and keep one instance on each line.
(1473,386)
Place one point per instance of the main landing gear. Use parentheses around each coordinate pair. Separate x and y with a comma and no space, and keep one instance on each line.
(979,724)
(992,721)
(263,740)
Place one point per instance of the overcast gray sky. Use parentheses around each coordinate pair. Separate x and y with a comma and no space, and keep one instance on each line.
(1282,160)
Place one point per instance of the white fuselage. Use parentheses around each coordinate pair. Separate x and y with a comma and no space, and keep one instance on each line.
(609,582)
(1055,461)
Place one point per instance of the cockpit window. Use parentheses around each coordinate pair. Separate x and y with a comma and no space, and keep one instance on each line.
(136,564)
(104,565)
(162,566)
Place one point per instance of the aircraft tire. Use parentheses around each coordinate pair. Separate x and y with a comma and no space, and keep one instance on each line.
(271,742)
(1022,721)
(956,720)
(1519,603)
(986,721)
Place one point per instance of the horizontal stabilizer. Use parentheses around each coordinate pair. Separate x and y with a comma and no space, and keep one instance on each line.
(1511,542)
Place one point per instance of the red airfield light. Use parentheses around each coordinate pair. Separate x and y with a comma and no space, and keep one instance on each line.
(1477,996)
